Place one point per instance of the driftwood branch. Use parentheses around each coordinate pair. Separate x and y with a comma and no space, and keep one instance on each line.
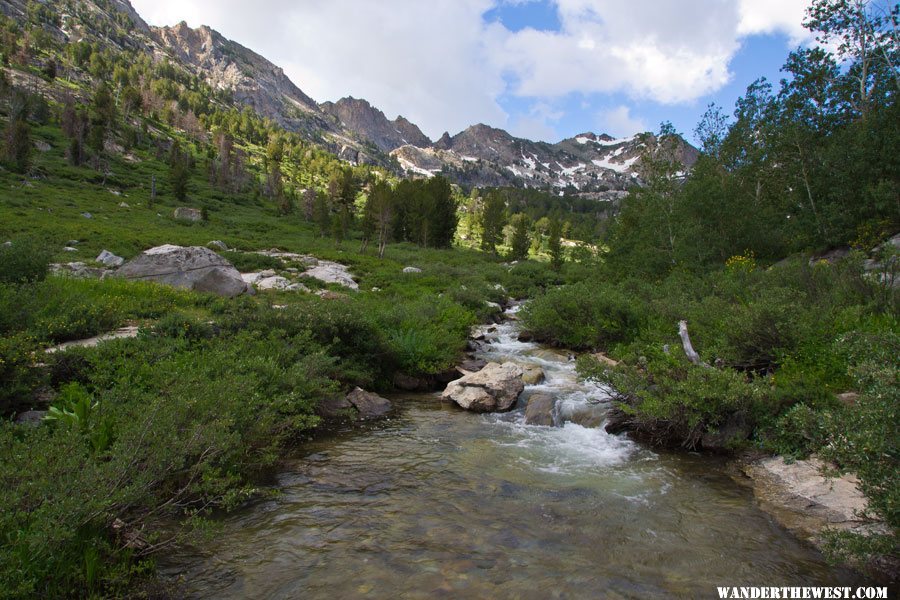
(688,347)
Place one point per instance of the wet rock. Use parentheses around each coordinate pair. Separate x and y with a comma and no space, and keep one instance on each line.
(526,336)
(193,267)
(804,500)
(183,213)
(733,431)
(471,365)
(408,383)
(495,388)
(532,374)
(334,407)
(617,421)
(367,404)
(109,259)
(589,416)
(540,410)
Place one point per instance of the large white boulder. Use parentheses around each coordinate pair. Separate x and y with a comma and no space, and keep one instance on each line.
(191,267)
(331,272)
(494,388)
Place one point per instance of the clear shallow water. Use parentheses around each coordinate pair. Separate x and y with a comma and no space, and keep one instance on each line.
(436,502)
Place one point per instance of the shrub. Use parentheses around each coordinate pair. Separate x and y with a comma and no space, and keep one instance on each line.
(675,402)
(23,261)
(585,316)
(17,372)
(250,261)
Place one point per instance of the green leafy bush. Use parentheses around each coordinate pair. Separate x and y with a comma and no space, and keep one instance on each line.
(251,261)
(23,261)
(587,315)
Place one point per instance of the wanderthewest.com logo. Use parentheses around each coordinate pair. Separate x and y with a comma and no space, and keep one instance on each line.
(780,593)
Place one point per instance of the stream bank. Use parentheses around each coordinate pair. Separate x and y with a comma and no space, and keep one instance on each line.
(434,501)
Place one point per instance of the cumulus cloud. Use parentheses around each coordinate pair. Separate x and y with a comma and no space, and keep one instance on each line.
(774,16)
(444,66)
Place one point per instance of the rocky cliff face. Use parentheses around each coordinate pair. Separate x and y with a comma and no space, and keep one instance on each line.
(254,81)
(371,125)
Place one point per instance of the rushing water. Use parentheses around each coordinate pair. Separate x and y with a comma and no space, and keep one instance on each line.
(436,502)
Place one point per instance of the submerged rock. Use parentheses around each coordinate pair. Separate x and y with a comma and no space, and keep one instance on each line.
(540,410)
(494,388)
(192,267)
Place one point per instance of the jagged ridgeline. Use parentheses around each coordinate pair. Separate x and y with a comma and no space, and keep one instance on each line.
(207,74)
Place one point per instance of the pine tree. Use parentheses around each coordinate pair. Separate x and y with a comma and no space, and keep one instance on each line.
(17,135)
(493,219)
(520,239)
(179,172)
(555,245)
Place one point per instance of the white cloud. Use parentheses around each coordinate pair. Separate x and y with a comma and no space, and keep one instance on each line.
(619,122)
(774,16)
(441,65)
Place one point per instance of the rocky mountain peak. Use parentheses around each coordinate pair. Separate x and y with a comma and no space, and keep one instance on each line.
(370,124)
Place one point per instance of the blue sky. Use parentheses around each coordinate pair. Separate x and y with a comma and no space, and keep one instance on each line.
(543,69)
(759,55)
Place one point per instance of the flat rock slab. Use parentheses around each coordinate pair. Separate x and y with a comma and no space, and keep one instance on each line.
(118,334)
(332,272)
(804,500)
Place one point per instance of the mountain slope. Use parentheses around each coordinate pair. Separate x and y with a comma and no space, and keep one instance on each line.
(588,165)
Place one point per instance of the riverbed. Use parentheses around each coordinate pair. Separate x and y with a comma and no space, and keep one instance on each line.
(437,502)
